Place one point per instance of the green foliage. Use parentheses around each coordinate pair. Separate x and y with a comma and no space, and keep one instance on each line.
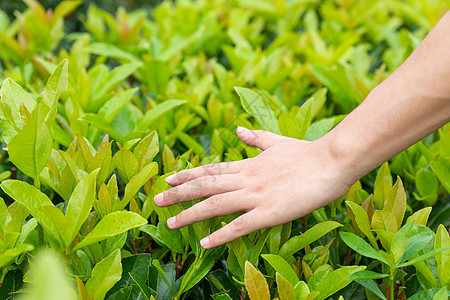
(92,122)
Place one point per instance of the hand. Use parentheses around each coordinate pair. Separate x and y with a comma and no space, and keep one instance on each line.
(288,180)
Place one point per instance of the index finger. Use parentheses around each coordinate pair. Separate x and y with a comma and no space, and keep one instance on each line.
(183,176)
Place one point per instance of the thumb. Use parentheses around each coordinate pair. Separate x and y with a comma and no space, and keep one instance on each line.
(259,138)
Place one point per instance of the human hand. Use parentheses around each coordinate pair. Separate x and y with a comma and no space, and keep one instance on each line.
(288,180)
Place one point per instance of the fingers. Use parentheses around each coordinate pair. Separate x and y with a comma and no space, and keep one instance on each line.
(201,187)
(242,225)
(217,205)
(207,170)
(259,138)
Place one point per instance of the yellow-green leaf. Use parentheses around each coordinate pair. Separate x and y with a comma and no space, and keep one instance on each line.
(255,283)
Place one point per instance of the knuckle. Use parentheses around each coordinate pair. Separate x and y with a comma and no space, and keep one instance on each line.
(203,182)
(238,225)
(212,205)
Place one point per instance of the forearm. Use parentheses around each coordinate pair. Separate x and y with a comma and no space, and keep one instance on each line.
(412,103)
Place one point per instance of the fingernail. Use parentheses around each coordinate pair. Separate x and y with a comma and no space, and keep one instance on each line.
(170,179)
(171,221)
(240,129)
(159,198)
(204,242)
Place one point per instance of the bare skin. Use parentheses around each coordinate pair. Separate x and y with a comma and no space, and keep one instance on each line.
(292,178)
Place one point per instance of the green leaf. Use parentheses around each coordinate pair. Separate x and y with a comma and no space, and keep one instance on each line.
(255,104)
(282,267)
(145,290)
(103,125)
(13,95)
(32,199)
(285,289)
(427,294)
(365,275)
(165,236)
(302,290)
(111,225)
(362,219)
(361,246)
(319,129)
(10,254)
(80,204)
(135,264)
(415,244)
(442,240)
(159,110)
(371,286)
(442,173)
(56,84)
(383,184)
(299,242)
(335,281)
(104,275)
(5,217)
(65,8)
(420,217)
(59,220)
(126,163)
(255,283)
(147,149)
(396,202)
(138,181)
(112,80)
(425,256)
(113,106)
(30,149)
(196,272)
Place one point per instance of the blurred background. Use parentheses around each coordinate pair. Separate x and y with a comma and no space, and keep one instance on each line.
(73,21)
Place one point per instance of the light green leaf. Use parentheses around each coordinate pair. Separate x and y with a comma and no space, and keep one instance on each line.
(104,275)
(126,163)
(13,95)
(254,104)
(147,149)
(302,290)
(255,283)
(103,125)
(113,106)
(30,149)
(111,225)
(299,242)
(32,199)
(80,204)
(362,219)
(396,202)
(9,254)
(285,289)
(60,222)
(420,217)
(442,240)
(282,267)
(138,181)
(56,84)
(335,281)
(442,173)
(159,110)
(319,129)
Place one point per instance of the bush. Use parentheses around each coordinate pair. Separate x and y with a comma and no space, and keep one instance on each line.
(93,121)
